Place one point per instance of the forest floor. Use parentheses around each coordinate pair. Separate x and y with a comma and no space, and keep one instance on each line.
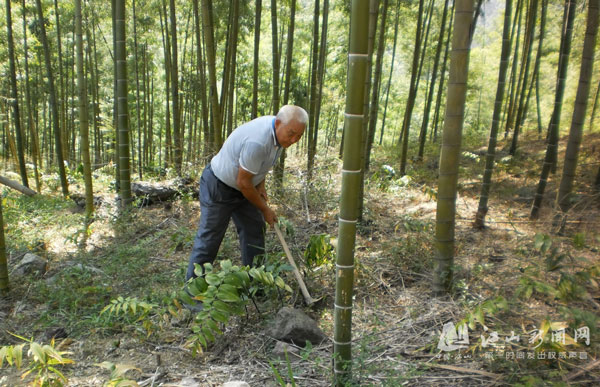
(508,282)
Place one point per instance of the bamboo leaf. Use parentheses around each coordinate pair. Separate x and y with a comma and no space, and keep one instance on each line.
(38,352)
(3,351)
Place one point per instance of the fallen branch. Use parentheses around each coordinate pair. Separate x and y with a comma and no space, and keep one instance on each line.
(16,186)
(461,369)
(585,369)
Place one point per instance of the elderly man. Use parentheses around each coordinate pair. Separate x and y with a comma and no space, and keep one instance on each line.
(233,185)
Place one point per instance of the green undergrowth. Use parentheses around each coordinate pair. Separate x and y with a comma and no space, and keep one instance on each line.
(546,305)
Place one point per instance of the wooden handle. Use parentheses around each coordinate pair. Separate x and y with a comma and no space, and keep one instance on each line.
(309,300)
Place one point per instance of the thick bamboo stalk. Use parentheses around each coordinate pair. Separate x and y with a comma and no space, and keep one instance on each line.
(357,65)
(53,102)
(122,108)
(451,142)
(438,51)
(550,157)
(83,114)
(15,96)
(491,151)
(583,92)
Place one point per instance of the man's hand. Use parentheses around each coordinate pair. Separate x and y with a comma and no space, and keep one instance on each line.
(255,195)
(270,216)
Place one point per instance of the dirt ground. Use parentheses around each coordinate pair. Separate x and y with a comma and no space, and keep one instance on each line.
(396,320)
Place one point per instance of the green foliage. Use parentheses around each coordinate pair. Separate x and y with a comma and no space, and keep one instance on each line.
(182,238)
(470,156)
(542,242)
(409,223)
(43,361)
(224,293)
(570,286)
(117,374)
(290,372)
(384,177)
(579,240)
(128,307)
(319,251)
(579,317)
(132,310)
(489,307)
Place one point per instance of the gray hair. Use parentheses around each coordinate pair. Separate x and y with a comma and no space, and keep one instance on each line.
(292,112)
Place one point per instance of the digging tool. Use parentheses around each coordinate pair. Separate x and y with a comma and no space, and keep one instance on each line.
(307,298)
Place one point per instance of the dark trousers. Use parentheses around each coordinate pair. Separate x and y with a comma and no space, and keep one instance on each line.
(219,203)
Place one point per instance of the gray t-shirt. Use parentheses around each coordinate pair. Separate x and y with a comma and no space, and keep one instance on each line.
(252,146)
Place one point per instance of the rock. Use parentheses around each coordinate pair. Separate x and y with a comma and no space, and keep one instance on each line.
(281,348)
(235,383)
(31,264)
(152,193)
(294,326)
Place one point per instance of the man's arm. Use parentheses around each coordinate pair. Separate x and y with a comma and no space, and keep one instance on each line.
(260,187)
(250,192)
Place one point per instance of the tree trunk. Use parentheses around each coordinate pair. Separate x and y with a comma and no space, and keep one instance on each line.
(207,28)
(276,58)
(83,115)
(3,261)
(168,73)
(527,48)
(15,97)
(594,106)
(438,102)
(177,133)
(16,186)
(513,73)
(389,84)
(491,151)
(357,64)
(373,14)
(53,101)
(376,83)
(438,51)
(233,55)
(535,75)
(412,93)
(561,78)
(123,111)
(61,92)
(256,58)
(583,92)
(450,153)
(321,73)
(538,60)
(280,166)
(137,90)
(202,79)
(313,91)
(35,143)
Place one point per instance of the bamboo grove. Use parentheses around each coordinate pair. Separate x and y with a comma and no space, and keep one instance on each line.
(155,86)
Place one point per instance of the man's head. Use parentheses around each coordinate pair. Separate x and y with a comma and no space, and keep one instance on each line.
(290,123)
